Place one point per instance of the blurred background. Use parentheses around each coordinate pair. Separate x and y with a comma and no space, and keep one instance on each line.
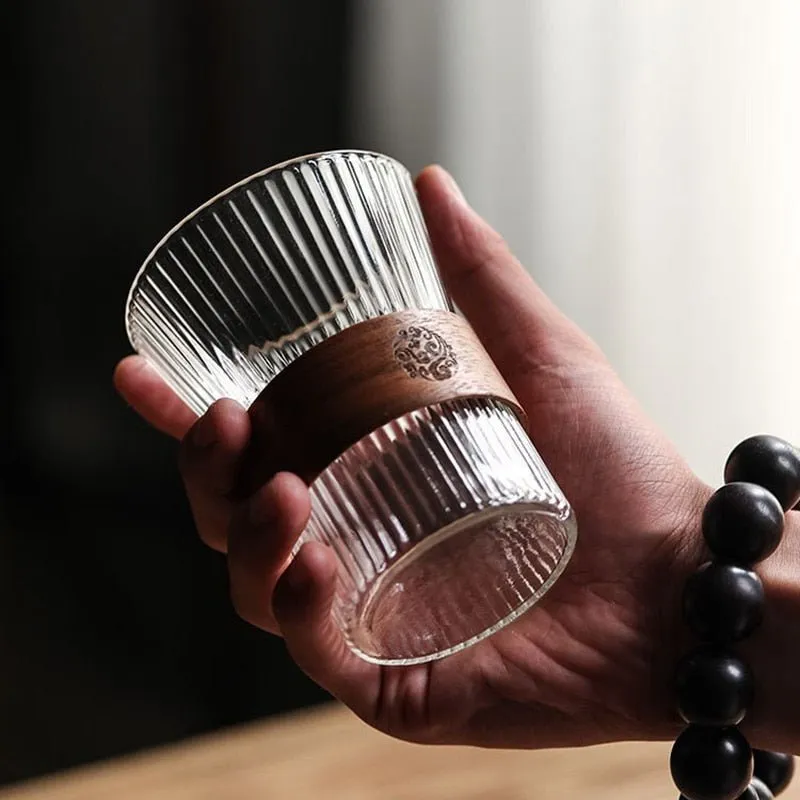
(641,157)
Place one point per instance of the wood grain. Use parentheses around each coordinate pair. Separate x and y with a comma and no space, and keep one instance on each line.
(330,755)
(358,380)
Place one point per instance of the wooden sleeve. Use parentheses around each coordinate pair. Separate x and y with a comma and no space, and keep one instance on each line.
(358,380)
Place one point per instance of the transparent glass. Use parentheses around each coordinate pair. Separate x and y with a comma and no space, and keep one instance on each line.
(446,523)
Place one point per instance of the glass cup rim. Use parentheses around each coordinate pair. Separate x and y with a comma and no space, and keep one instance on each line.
(282,165)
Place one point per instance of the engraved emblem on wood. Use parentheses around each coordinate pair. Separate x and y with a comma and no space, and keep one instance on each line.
(423,353)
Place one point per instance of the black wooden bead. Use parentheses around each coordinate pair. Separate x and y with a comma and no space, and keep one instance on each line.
(756,790)
(761,789)
(743,523)
(775,769)
(770,462)
(711,763)
(722,602)
(713,687)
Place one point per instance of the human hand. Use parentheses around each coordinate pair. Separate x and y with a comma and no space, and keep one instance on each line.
(592,661)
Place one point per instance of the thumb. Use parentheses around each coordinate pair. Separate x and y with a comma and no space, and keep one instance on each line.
(520,327)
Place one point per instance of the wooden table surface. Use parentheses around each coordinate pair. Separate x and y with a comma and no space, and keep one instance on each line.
(328,754)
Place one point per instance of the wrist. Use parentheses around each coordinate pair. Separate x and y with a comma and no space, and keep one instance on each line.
(723,604)
(773,651)
(686,551)
(743,523)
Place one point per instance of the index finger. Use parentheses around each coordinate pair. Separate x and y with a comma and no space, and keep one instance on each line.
(152,399)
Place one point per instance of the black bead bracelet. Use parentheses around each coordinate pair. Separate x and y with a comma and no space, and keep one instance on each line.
(723,602)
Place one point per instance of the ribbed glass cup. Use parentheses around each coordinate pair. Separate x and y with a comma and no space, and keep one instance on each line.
(445,522)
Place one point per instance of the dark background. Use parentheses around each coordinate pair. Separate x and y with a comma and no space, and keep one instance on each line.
(121,116)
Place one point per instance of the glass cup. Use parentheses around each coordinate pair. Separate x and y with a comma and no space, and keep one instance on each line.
(445,521)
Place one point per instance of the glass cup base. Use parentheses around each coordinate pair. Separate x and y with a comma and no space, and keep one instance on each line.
(461,585)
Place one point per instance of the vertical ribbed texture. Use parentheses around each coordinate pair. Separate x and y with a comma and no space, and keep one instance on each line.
(447,465)
(446,523)
(275,265)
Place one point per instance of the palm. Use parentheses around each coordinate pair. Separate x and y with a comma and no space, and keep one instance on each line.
(581,666)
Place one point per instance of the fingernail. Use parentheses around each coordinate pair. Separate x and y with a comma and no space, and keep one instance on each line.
(296,578)
(454,188)
(203,434)
(263,508)
(143,365)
